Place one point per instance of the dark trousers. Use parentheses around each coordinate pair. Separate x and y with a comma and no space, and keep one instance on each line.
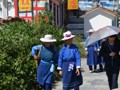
(113,80)
(91,68)
(112,74)
(101,67)
(100,63)
(47,86)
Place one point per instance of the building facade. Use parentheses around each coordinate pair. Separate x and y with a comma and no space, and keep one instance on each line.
(29,9)
(98,18)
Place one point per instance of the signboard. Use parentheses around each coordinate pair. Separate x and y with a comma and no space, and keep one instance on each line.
(25,5)
(72,4)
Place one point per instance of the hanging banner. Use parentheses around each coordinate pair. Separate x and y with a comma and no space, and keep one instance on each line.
(72,4)
(25,5)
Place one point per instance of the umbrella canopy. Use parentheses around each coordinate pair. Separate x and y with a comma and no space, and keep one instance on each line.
(103,33)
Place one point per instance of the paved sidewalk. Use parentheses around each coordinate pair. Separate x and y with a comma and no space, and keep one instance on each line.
(91,81)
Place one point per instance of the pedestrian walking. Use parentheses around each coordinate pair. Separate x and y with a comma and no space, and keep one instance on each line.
(118,42)
(69,63)
(45,70)
(110,51)
(91,53)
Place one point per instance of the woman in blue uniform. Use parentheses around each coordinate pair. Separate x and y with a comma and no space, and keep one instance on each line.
(91,53)
(69,63)
(110,51)
(45,69)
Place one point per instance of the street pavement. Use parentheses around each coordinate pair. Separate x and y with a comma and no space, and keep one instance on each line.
(91,81)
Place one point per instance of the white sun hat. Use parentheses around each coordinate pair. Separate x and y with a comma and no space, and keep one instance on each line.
(91,30)
(48,38)
(67,35)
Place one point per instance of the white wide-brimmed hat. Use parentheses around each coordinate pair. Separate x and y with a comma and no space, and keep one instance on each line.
(91,30)
(67,35)
(48,38)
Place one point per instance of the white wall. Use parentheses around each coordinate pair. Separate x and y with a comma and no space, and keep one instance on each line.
(100,21)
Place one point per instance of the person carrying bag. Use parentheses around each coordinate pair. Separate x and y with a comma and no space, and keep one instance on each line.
(46,67)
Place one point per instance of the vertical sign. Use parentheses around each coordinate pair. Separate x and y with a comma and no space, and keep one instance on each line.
(25,5)
(72,4)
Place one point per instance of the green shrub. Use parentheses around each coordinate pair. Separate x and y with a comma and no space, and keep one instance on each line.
(17,71)
(17,68)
